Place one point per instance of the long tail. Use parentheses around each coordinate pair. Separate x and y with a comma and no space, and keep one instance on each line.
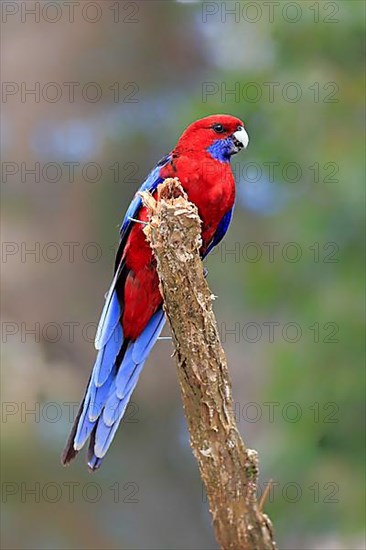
(112,381)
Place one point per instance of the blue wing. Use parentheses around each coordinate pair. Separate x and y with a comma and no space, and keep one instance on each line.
(220,232)
(112,311)
(119,362)
(150,184)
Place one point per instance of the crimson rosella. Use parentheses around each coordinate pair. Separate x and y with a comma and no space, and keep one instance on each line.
(133,317)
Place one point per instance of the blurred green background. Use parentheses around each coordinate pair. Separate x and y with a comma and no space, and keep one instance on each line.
(289,276)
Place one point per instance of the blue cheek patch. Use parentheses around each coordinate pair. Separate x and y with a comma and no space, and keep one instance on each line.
(221,149)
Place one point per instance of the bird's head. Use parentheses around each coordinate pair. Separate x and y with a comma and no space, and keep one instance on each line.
(219,135)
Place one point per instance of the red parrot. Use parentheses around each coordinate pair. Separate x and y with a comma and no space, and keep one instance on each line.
(132,317)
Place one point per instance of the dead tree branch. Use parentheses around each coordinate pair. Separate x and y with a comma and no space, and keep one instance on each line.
(228,470)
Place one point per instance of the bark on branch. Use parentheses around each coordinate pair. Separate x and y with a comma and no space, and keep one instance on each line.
(228,470)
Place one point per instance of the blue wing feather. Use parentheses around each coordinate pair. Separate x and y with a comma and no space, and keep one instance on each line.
(111,312)
(220,232)
(150,184)
(118,363)
(109,319)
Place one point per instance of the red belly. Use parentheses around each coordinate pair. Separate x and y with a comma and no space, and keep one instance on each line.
(141,293)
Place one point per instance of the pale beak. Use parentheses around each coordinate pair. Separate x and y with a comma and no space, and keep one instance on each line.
(241,138)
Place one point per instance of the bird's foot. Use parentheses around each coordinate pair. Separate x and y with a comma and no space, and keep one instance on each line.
(137,221)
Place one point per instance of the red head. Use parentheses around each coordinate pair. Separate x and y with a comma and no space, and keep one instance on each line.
(219,135)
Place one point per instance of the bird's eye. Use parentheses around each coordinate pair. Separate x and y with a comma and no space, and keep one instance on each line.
(219,129)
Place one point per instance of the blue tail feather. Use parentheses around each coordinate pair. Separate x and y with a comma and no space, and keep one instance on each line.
(111,412)
(85,426)
(109,319)
(98,387)
(99,396)
(111,385)
(146,340)
(93,461)
(107,356)
(122,387)
(125,371)
(104,434)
